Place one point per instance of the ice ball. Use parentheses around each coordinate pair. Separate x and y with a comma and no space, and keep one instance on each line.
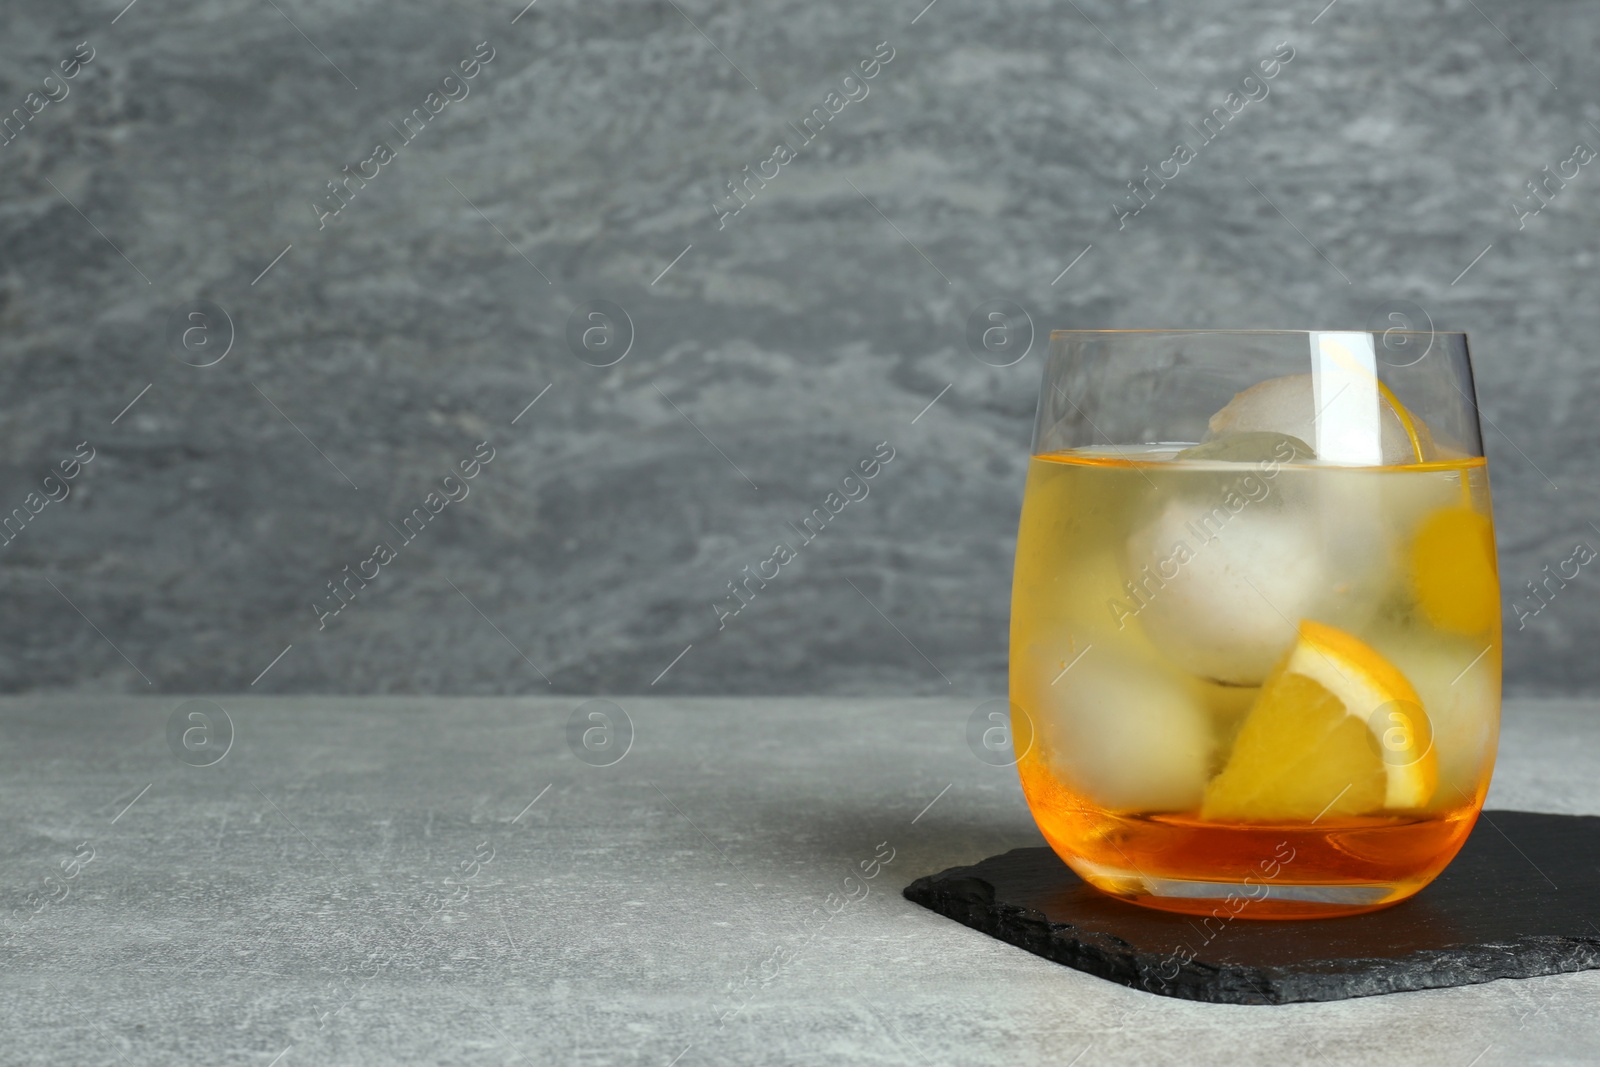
(1460,690)
(1288,405)
(1222,599)
(1127,734)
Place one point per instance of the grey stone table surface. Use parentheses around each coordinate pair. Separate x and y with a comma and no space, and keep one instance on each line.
(431,880)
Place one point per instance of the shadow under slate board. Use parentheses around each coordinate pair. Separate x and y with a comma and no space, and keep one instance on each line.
(1521,899)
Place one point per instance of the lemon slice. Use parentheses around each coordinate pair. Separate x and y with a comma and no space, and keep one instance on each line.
(1337,730)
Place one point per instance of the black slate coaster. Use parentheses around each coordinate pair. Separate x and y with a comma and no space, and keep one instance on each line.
(1521,899)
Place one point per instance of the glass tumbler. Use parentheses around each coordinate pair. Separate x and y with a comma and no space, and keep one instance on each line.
(1255,629)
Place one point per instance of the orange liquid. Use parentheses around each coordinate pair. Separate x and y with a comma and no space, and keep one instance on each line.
(1127,697)
(1396,856)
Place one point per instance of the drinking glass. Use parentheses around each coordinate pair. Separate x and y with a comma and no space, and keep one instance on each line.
(1255,628)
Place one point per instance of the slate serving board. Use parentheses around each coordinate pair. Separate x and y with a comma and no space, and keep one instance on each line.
(1521,899)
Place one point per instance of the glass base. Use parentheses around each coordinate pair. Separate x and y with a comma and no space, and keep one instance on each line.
(1236,900)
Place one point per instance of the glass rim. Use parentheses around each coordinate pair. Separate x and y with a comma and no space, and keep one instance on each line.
(1271,330)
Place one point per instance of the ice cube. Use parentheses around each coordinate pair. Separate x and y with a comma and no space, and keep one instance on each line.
(1219,593)
(1126,733)
(1224,565)
(1289,405)
(1460,691)
(1227,564)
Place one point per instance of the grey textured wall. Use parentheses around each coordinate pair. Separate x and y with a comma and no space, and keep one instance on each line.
(780,348)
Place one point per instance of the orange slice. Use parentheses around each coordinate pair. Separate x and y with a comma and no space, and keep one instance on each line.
(1337,730)
(1453,570)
